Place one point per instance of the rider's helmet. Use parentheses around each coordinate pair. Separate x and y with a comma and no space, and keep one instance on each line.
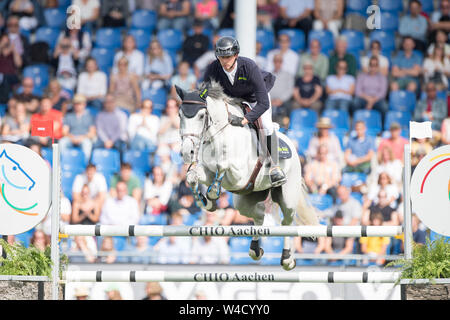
(226,46)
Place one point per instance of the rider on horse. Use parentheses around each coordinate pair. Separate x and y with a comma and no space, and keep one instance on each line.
(240,77)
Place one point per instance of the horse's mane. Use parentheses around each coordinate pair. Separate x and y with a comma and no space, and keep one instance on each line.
(215,91)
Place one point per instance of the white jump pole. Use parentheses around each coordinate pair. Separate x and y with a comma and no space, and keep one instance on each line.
(245,26)
(189,276)
(231,231)
(56,195)
(407,219)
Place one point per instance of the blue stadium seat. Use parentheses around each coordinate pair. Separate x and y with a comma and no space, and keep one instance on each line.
(240,245)
(402,118)
(106,160)
(439,94)
(120,243)
(393,6)
(170,39)
(55,17)
(226,32)
(108,38)
(142,38)
(386,39)
(297,38)
(303,118)
(159,98)
(358,196)
(73,160)
(389,21)
(67,178)
(355,39)
(339,118)
(25,237)
(47,154)
(402,100)
(153,219)
(47,35)
(104,58)
(350,179)
(321,202)
(357,6)
(427,6)
(40,75)
(302,137)
(3,109)
(144,19)
(267,40)
(138,159)
(340,134)
(64,3)
(325,38)
(372,118)
(271,246)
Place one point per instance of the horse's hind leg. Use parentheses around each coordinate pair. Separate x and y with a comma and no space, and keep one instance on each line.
(252,206)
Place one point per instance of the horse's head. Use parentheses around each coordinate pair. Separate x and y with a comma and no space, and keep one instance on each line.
(13,174)
(193,122)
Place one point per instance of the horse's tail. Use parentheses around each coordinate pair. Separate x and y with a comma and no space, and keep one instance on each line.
(306,213)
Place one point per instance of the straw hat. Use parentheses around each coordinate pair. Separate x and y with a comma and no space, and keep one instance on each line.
(324,123)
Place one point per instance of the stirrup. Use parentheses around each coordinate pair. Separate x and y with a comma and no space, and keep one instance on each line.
(277,176)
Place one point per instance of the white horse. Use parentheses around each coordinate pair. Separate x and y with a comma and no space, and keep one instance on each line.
(222,155)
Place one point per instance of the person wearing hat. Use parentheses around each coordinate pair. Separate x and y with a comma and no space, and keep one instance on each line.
(78,128)
(327,138)
(395,141)
(81,293)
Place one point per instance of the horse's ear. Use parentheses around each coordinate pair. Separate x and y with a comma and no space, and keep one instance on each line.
(180,92)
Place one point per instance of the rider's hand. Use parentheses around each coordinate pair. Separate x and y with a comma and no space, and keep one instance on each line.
(235,120)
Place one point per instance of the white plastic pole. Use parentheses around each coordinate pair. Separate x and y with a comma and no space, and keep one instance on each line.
(56,195)
(245,25)
(407,219)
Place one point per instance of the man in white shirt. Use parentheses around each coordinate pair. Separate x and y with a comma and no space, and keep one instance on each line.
(120,210)
(96,182)
(135,57)
(92,83)
(289,56)
(143,127)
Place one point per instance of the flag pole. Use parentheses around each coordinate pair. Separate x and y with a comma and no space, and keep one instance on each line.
(407,218)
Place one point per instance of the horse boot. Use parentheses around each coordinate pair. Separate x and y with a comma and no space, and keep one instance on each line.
(277,176)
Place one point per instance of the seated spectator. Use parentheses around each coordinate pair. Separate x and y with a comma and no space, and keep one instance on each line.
(127,176)
(195,45)
(308,91)
(143,127)
(96,183)
(124,87)
(154,291)
(157,192)
(327,138)
(109,253)
(375,246)
(158,67)
(47,113)
(170,124)
(371,89)
(328,15)
(16,125)
(445,131)
(207,11)
(318,59)
(310,245)
(142,251)
(89,12)
(92,83)
(440,19)
(169,167)
(389,164)
(25,10)
(121,209)
(295,15)
(134,57)
(419,149)
(432,109)
(183,197)
(338,245)
(78,128)
(81,42)
(395,142)
(440,41)
(414,25)
(111,124)
(65,61)
(289,56)
(260,60)
(10,61)
(436,69)
(267,11)
(340,53)
(205,59)
(174,14)
(350,208)
(18,40)
(85,245)
(85,208)
(375,51)
(5,90)
(360,150)
(27,96)
(419,235)
(40,240)
(60,98)
(406,67)
(340,89)
(183,79)
(281,93)
(209,250)
(147,4)
(322,176)
(114,13)
(390,216)
(384,182)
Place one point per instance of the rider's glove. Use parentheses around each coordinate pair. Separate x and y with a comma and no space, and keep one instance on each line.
(235,120)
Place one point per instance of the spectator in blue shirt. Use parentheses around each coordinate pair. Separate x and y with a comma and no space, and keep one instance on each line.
(406,67)
(414,25)
(360,150)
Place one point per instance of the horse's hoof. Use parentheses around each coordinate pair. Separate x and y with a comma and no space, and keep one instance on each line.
(254,256)
(288,264)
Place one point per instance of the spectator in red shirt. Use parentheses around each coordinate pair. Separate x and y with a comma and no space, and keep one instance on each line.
(396,142)
(46,113)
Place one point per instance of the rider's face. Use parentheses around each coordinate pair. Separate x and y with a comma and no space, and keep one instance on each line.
(227,62)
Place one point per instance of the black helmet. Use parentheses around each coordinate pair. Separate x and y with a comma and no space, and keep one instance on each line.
(226,46)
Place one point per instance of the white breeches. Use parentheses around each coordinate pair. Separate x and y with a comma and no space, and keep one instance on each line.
(266,118)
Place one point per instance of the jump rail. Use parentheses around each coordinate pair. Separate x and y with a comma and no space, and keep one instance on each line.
(231,231)
(180,276)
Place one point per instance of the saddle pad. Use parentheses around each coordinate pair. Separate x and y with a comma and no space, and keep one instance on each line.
(283,149)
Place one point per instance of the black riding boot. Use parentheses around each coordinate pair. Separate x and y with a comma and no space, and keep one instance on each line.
(277,176)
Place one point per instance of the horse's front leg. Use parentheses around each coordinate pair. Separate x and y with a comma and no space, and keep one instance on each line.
(193,178)
(213,192)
